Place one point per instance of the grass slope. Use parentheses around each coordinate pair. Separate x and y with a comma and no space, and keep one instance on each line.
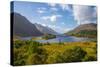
(31,52)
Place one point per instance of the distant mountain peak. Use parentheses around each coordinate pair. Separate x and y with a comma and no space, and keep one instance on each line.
(45,29)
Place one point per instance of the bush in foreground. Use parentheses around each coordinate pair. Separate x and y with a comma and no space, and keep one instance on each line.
(30,52)
(76,54)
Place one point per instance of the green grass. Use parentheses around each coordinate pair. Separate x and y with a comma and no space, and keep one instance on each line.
(31,52)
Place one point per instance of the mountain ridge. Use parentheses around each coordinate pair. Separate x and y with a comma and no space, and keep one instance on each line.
(23,27)
(84,30)
(45,29)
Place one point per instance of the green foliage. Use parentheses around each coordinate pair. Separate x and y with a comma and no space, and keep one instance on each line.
(38,57)
(74,55)
(28,52)
(69,55)
(31,52)
(90,58)
(48,36)
(18,43)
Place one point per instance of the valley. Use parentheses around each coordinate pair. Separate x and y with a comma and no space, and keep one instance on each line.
(38,44)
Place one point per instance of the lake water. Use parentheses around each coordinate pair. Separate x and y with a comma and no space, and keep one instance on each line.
(64,39)
(60,39)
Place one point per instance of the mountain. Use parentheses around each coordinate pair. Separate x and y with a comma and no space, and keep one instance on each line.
(90,26)
(23,27)
(84,30)
(45,29)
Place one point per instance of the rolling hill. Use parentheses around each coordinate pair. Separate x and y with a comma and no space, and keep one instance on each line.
(84,30)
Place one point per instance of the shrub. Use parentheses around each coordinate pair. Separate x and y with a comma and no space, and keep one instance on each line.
(54,58)
(38,57)
(90,58)
(69,55)
(31,52)
(73,55)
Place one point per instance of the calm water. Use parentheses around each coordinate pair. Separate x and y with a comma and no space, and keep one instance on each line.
(59,39)
(64,39)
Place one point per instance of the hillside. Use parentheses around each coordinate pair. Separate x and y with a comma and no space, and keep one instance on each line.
(85,30)
(23,27)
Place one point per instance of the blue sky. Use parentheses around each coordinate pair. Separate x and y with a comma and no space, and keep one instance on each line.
(59,17)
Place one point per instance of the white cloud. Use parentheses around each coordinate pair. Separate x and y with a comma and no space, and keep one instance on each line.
(43,24)
(52,18)
(84,14)
(41,10)
(65,7)
(52,26)
(56,28)
(45,17)
(52,4)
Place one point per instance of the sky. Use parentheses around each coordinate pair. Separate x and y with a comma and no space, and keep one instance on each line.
(60,17)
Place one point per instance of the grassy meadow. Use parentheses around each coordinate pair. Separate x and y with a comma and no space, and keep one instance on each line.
(30,52)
